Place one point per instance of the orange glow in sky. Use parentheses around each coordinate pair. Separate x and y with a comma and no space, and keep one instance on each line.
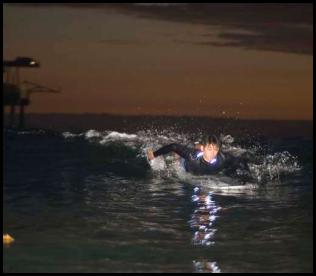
(113,60)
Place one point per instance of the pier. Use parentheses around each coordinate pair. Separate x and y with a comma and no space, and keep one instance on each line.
(16,93)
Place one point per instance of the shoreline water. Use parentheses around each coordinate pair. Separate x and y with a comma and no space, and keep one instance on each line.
(94,207)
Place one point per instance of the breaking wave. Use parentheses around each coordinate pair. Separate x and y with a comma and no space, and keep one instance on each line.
(263,165)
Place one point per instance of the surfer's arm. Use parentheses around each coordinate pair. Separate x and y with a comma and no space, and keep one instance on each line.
(181,150)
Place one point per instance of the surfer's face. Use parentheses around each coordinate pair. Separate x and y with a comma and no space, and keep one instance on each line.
(209,151)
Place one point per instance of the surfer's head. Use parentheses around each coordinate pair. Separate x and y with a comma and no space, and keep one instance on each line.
(210,147)
(211,140)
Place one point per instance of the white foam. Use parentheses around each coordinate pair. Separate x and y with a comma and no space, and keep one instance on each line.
(68,134)
(117,136)
(158,164)
(235,151)
(92,133)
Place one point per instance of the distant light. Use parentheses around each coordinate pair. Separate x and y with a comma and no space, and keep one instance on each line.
(32,62)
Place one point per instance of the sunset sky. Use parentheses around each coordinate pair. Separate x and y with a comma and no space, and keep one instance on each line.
(252,61)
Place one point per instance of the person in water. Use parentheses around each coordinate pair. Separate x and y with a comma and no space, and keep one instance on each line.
(204,158)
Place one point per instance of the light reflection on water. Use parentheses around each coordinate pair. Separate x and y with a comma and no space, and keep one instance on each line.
(124,220)
(202,223)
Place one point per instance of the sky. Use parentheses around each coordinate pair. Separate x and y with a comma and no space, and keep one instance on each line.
(245,61)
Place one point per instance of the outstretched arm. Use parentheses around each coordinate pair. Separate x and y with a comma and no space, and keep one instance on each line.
(181,150)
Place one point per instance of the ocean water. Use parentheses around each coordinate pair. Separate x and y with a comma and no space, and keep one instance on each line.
(80,196)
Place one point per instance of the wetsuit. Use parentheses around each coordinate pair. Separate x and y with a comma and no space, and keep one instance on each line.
(193,159)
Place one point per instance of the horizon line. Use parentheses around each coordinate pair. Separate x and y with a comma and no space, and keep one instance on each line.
(165,115)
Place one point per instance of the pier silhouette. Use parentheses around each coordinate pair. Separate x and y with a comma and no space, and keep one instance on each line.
(17,93)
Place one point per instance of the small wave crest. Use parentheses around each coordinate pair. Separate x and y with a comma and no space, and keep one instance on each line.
(261,166)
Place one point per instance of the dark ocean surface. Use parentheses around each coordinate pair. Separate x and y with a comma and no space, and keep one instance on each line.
(80,196)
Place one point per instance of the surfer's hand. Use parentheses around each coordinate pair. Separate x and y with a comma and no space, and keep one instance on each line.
(198,146)
(177,156)
(150,154)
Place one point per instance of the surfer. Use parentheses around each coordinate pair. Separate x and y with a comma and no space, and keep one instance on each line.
(205,158)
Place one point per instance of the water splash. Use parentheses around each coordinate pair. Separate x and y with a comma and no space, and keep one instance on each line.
(205,266)
(273,166)
(261,166)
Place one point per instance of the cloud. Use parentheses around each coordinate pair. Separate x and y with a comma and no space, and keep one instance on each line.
(266,26)
(274,27)
(301,43)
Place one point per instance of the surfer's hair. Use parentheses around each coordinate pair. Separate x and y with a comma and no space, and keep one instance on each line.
(211,139)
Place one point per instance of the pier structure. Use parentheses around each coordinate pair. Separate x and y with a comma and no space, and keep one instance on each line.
(17,93)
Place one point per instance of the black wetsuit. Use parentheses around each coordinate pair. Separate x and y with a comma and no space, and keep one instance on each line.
(193,163)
